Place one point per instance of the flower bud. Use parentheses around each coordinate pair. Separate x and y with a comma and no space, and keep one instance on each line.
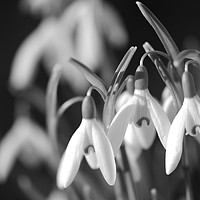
(88,108)
(189,89)
(141,78)
(130,85)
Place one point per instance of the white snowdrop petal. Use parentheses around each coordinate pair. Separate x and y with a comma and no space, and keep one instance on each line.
(142,124)
(104,154)
(122,99)
(89,151)
(175,141)
(159,118)
(131,142)
(118,126)
(71,159)
(130,136)
(91,158)
(145,134)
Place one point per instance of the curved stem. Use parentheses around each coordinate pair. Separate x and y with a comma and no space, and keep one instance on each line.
(190,62)
(98,90)
(148,53)
(67,104)
(192,54)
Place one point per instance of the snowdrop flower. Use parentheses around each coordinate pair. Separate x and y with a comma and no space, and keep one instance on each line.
(59,37)
(144,114)
(187,121)
(26,141)
(89,140)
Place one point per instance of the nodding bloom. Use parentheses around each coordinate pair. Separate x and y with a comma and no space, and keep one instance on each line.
(143,113)
(187,121)
(89,140)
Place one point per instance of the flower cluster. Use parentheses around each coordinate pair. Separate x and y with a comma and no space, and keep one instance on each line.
(136,145)
(135,123)
(131,116)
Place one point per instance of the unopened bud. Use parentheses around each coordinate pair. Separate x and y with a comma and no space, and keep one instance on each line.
(141,78)
(130,85)
(88,108)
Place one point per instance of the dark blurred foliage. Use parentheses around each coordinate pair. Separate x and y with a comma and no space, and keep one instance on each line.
(181,18)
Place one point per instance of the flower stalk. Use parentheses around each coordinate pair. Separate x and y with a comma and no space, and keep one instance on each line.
(186,171)
(132,190)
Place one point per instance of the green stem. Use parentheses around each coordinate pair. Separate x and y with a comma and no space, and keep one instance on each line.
(120,187)
(66,105)
(98,90)
(185,166)
(132,191)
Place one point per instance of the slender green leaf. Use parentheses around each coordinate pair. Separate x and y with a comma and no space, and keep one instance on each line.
(161,31)
(90,75)
(121,69)
(68,104)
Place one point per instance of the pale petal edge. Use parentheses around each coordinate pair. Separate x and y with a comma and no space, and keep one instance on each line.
(71,159)
(159,118)
(118,126)
(175,141)
(104,154)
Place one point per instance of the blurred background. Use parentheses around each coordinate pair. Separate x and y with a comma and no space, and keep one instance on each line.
(19,19)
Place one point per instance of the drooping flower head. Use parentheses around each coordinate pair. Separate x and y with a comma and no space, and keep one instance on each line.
(143,113)
(187,121)
(89,140)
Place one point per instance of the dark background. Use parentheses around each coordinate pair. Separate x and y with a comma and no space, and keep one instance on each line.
(181,18)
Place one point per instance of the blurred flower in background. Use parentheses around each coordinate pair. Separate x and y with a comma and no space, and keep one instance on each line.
(87,30)
(84,29)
